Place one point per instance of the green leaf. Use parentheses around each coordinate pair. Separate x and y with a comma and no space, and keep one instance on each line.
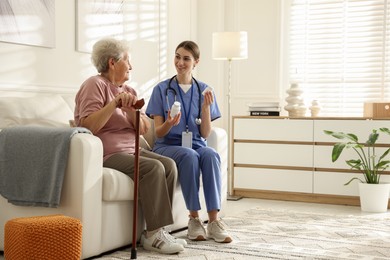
(384,154)
(337,150)
(328,132)
(352,137)
(382,165)
(385,130)
(372,138)
(355,164)
(341,135)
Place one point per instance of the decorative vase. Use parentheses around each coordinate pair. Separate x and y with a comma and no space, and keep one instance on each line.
(315,108)
(295,105)
(374,197)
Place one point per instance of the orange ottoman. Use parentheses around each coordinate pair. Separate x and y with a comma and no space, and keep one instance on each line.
(44,237)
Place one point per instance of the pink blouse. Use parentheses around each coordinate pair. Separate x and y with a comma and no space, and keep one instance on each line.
(118,134)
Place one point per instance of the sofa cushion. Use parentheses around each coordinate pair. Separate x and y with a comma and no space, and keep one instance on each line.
(150,136)
(43,110)
(117,186)
(70,100)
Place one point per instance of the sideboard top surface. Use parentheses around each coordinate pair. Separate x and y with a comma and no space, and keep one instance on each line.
(313,118)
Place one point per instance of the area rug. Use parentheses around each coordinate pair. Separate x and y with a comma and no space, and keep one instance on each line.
(284,234)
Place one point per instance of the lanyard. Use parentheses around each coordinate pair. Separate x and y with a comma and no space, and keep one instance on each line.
(186,115)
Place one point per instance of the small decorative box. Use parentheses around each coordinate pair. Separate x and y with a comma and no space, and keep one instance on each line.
(377,110)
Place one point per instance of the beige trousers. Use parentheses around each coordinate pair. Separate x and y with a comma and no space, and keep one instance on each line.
(157,180)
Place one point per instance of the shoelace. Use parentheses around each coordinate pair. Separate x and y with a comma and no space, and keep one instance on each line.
(220,224)
(199,222)
(165,236)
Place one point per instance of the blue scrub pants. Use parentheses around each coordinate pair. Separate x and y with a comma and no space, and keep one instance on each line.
(191,164)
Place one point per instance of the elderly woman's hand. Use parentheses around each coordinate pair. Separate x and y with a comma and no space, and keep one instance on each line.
(125,101)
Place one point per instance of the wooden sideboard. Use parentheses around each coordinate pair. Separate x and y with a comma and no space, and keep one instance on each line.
(290,158)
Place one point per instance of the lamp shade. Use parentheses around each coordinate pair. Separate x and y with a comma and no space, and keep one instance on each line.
(230,45)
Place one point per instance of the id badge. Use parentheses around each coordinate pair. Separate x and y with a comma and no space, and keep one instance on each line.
(186,139)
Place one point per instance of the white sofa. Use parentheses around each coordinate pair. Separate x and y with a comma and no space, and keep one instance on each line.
(101,198)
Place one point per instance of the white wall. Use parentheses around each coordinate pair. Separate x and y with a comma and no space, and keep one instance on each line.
(63,69)
(25,66)
(256,79)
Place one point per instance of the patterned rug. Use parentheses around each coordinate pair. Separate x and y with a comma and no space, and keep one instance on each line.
(275,234)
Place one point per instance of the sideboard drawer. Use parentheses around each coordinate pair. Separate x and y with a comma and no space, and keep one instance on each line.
(361,128)
(273,154)
(273,179)
(333,183)
(273,129)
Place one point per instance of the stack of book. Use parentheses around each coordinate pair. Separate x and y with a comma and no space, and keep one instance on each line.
(264,109)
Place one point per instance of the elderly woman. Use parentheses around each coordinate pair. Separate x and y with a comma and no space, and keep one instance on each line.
(104,106)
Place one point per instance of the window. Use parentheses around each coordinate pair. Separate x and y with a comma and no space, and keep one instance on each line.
(339,53)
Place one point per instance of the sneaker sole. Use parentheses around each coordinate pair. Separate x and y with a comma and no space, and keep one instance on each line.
(181,241)
(226,240)
(168,252)
(198,238)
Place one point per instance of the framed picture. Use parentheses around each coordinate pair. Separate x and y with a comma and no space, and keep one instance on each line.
(28,22)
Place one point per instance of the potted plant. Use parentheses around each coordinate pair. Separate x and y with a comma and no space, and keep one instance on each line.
(367,162)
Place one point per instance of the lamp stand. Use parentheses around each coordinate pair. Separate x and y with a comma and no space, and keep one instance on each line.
(230,195)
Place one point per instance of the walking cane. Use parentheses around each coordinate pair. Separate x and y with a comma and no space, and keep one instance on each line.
(138,105)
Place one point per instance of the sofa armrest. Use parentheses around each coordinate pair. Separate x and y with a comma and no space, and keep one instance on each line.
(82,190)
(218,140)
(81,195)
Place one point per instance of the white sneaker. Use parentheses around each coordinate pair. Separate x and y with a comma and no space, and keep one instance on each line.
(216,230)
(161,242)
(196,230)
(180,241)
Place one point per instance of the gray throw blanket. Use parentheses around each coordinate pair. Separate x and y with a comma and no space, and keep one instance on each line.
(33,161)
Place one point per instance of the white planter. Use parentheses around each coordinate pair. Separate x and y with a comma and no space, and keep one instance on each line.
(374,197)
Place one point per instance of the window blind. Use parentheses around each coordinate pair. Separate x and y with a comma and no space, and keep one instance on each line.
(339,53)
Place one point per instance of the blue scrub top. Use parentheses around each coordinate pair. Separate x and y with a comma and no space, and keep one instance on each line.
(158,106)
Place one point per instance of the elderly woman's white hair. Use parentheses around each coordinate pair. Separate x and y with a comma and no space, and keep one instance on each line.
(105,49)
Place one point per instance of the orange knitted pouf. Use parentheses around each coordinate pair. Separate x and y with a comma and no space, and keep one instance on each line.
(43,237)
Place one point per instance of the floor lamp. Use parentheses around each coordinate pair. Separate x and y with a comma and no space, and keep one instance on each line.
(230,46)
